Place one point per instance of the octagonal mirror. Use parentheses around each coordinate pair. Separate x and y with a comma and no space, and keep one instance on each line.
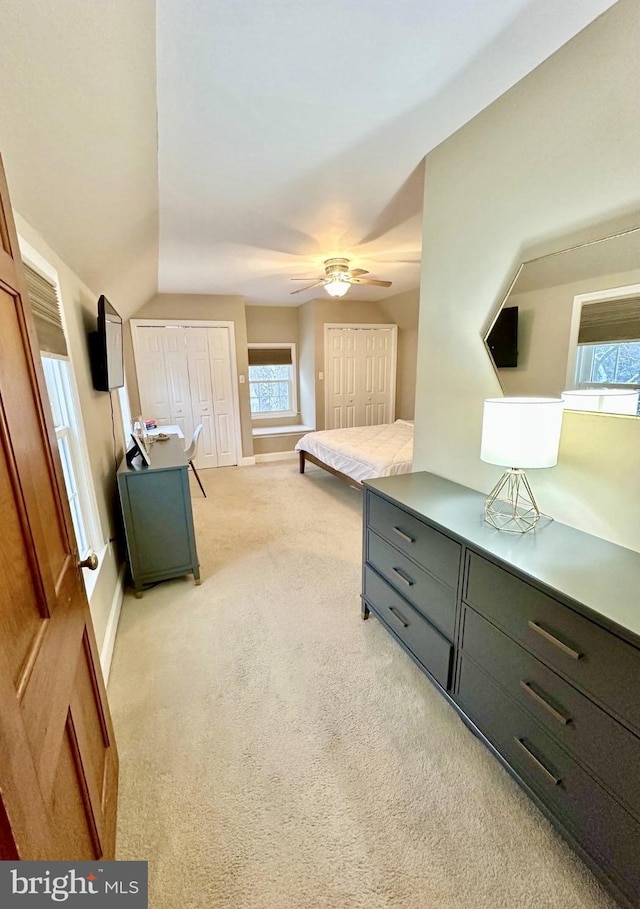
(571,323)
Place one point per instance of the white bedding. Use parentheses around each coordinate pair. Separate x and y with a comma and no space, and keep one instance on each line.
(363,452)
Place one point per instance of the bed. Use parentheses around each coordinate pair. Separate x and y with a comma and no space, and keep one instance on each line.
(360,452)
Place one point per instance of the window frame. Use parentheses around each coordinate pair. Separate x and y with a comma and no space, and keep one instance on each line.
(77,440)
(293,381)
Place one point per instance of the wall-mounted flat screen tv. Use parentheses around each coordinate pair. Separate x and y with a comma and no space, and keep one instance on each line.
(105,345)
(502,340)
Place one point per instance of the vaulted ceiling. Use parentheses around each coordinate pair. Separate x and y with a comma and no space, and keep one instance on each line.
(226,147)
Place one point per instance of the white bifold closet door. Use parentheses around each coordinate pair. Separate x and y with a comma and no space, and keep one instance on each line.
(184,377)
(360,376)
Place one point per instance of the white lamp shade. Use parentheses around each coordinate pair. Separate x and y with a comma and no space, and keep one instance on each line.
(337,288)
(521,432)
(603,400)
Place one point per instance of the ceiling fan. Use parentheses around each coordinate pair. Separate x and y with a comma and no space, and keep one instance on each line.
(339,278)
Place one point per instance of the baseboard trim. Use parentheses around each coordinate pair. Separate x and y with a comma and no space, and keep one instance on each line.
(246,462)
(276,456)
(106,651)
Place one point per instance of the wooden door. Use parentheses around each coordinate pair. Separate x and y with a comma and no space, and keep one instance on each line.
(224,402)
(197,342)
(58,758)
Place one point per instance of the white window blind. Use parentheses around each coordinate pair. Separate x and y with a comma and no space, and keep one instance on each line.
(46,313)
(610,320)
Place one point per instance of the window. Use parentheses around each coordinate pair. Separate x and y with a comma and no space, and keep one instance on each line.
(272,380)
(608,345)
(58,374)
(58,379)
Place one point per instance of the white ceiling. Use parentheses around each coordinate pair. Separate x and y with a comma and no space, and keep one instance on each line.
(287,131)
(294,131)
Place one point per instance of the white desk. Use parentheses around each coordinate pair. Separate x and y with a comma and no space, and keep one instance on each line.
(170,430)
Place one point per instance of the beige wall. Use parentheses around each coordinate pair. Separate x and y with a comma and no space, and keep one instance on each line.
(552,162)
(203,306)
(404,309)
(270,324)
(80,310)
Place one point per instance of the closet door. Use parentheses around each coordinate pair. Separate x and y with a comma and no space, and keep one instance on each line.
(375,360)
(223,403)
(152,378)
(201,390)
(360,376)
(177,375)
(341,375)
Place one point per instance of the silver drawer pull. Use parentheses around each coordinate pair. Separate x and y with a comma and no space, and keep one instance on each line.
(545,770)
(565,720)
(399,616)
(555,641)
(405,536)
(403,577)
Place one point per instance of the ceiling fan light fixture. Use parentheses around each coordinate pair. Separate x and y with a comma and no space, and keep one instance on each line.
(337,287)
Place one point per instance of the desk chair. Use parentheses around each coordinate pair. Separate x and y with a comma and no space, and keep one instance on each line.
(190,453)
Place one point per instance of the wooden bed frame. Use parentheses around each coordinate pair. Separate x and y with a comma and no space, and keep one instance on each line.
(305,456)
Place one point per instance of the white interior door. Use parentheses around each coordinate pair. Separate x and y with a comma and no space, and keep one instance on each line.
(360,376)
(341,376)
(197,341)
(185,377)
(152,377)
(223,398)
(177,374)
(375,358)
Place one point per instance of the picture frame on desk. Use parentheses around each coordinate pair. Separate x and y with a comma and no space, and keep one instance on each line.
(139,448)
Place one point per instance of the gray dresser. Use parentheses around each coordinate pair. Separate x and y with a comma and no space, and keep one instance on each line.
(535,640)
(157,516)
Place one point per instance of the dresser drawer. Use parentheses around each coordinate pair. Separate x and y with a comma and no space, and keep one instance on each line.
(430,548)
(606,747)
(602,827)
(426,643)
(435,601)
(593,658)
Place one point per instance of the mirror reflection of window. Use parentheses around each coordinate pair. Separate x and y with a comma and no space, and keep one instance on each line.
(579,320)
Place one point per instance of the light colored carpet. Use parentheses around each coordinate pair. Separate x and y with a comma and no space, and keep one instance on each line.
(277,752)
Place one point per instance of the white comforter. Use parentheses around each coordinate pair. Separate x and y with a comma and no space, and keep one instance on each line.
(363,452)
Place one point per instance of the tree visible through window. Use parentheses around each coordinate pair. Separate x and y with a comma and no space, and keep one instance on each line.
(272,380)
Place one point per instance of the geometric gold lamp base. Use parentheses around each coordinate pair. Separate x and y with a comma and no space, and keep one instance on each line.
(510,504)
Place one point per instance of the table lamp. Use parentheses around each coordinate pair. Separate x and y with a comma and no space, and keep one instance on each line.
(518,433)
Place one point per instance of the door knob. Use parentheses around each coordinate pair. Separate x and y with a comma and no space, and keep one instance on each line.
(90,562)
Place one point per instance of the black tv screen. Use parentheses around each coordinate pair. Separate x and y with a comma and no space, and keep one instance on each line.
(107,359)
(502,340)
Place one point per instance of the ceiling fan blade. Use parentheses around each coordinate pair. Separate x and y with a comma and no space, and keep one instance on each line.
(356,272)
(308,287)
(371,281)
(306,278)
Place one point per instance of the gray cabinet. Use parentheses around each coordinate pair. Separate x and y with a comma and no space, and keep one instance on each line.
(534,639)
(157,517)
